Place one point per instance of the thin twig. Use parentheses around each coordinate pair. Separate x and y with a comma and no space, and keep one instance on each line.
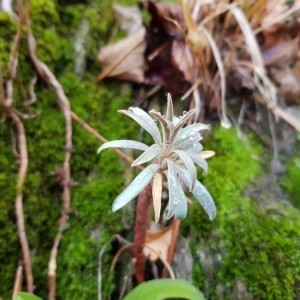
(98,136)
(64,104)
(23,154)
(171,249)
(167,264)
(21,143)
(118,254)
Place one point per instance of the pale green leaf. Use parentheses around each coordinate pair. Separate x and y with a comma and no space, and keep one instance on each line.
(199,160)
(145,121)
(149,154)
(186,133)
(190,167)
(205,199)
(176,193)
(123,144)
(135,187)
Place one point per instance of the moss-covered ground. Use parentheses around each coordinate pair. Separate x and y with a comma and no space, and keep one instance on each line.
(258,247)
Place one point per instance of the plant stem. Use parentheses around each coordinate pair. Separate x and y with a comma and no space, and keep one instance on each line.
(140,230)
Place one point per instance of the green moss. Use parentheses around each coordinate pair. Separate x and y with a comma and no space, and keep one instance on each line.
(43,14)
(233,167)
(9,252)
(292,179)
(8,28)
(261,247)
(98,180)
(264,252)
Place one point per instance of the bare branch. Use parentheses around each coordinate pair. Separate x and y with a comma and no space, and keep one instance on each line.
(64,104)
(23,155)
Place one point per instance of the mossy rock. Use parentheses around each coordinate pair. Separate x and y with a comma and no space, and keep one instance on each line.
(244,244)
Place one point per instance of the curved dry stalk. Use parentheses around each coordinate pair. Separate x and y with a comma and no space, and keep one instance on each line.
(7,102)
(278,19)
(64,104)
(101,138)
(166,264)
(23,155)
(118,254)
(217,55)
(171,249)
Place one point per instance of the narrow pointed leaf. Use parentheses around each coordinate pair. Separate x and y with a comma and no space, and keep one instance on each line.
(156,194)
(176,194)
(180,123)
(163,123)
(170,110)
(187,132)
(135,187)
(190,167)
(149,154)
(184,175)
(181,209)
(145,121)
(205,199)
(199,160)
(124,144)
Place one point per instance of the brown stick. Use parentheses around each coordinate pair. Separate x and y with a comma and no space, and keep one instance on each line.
(140,230)
(171,249)
(101,138)
(64,104)
(23,154)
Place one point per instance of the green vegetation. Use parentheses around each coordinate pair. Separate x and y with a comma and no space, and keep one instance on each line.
(292,179)
(258,247)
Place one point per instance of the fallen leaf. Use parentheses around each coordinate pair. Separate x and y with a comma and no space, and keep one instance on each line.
(125,59)
(157,243)
(288,82)
(129,17)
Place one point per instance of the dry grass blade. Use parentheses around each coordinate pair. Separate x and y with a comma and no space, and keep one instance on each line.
(217,55)
(279,18)
(249,35)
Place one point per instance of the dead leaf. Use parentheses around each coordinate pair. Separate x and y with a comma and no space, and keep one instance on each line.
(161,69)
(157,244)
(282,51)
(129,17)
(125,59)
(288,82)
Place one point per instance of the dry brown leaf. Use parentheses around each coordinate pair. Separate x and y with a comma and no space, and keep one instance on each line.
(184,60)
(273,10)
(129,17)
(125,59)
(157,244)
(281,51)
(288,82)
